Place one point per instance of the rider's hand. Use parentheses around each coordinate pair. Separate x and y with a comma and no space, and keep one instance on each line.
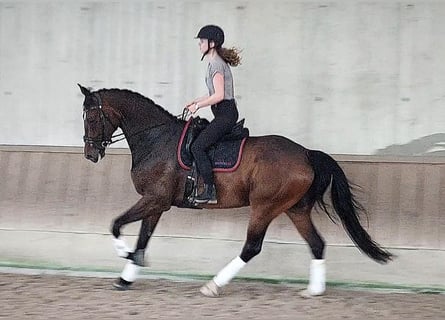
(193,107)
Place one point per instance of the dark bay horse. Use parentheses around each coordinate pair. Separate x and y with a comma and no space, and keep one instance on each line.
(275,175)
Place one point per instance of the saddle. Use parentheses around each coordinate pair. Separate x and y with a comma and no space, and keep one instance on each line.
(225,155)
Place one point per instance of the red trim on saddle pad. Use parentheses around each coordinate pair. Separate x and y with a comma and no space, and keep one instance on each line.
(178,152)
(185,167)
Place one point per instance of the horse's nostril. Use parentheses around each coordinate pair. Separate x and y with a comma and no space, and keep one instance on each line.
(91,158)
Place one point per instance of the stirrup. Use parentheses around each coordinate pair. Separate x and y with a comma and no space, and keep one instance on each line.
(208,195)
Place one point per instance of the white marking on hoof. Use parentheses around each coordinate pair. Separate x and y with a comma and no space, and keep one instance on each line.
(317,279)
(210,289)
(228,272)
(130,272)
(121,248)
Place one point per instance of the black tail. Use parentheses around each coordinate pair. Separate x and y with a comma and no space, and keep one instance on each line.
(343,201)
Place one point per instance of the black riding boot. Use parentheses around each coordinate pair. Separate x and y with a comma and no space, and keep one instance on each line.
(208,195)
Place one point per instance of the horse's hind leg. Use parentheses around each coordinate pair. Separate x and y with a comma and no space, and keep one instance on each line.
(256,231)
(301,218)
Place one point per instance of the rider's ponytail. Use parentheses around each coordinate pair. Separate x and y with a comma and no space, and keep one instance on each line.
(230,56)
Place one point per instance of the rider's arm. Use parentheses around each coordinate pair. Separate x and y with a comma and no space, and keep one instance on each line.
(218,96)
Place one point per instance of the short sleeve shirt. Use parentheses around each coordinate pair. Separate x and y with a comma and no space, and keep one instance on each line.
(219,65)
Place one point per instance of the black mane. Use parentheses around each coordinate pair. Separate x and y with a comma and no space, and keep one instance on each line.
(137,97)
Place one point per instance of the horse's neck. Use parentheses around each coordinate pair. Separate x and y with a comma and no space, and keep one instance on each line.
(139,121)
(149,131)
(155,144)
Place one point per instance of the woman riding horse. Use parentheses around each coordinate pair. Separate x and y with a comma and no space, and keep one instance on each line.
(275,176)
(219,82)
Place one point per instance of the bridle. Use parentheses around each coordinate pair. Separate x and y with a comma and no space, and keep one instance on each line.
(101,143)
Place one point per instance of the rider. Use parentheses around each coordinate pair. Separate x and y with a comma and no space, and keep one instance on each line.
(219,82)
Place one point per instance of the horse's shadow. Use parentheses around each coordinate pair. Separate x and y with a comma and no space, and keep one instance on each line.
(433,144)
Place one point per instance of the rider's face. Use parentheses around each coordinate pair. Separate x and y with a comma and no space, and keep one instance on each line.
(203,45)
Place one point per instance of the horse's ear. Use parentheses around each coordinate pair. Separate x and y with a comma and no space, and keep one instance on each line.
(84,90)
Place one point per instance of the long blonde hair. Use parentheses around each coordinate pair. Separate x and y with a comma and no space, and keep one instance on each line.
(230,56)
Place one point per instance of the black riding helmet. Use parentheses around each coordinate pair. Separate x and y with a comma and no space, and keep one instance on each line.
(211,33)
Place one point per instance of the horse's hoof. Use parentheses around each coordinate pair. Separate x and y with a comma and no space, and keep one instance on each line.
(210,289)
(308,294)
(122,285)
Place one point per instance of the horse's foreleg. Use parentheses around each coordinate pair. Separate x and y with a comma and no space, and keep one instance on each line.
(136,258)
(252,247)
(150,216)
(139,211)
(301,218)
(147,228)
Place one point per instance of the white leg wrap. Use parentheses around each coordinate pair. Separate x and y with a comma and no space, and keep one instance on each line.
(130,272)
(229,271)
(121,247)
(317,277)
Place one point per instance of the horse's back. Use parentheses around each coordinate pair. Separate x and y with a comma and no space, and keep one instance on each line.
(273,169)
(275,147)
(273,156)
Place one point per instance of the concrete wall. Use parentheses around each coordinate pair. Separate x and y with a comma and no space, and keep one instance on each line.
(56,189)
(56,209)
(347,77)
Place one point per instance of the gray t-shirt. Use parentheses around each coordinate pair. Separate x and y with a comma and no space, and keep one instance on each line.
(219,65)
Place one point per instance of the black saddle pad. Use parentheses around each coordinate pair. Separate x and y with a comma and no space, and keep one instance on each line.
(225,155)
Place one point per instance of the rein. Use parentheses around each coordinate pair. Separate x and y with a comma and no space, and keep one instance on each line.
(183,116)
(111,141)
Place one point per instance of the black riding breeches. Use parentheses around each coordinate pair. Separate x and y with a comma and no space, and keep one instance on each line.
(226,115)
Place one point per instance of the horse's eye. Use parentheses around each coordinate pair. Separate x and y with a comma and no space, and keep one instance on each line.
(92,121)
(91,116)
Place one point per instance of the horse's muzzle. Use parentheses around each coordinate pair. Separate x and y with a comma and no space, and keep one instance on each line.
(92,153)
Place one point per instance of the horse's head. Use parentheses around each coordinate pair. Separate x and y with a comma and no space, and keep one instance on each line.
(98,125)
